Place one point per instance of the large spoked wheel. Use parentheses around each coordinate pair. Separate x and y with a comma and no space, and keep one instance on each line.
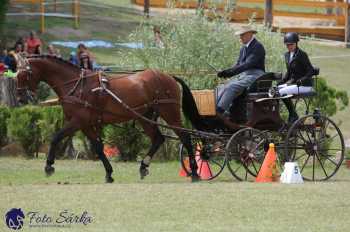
(245,153)
(210,158)
(317,145)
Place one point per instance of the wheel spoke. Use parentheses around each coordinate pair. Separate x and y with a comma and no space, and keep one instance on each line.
(217,163)
(307,160)
(321,165)
(296,159)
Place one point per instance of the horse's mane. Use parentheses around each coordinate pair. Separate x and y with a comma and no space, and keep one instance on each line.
(53,57)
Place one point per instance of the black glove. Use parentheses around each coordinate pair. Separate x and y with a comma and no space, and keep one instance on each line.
(223,73)
(299,82)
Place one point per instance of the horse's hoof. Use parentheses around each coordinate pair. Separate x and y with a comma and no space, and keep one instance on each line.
(143,172)
(49,170)
(195,178)
(109,179)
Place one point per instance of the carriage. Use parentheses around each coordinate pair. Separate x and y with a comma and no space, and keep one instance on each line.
(91,100)
(314,141)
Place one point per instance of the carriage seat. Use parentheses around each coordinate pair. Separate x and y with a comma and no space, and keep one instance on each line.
(264,82)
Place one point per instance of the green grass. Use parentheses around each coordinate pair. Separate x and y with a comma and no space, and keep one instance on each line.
(166,202)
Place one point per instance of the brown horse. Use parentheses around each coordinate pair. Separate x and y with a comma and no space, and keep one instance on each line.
(88,106)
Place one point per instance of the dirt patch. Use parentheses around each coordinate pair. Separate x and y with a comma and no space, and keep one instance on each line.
(12,149)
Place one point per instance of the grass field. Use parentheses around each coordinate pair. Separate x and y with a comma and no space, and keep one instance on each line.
(166,202)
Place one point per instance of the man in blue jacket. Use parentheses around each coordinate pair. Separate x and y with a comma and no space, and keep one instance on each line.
(250,66)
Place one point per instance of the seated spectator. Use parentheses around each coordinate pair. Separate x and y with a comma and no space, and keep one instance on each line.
(3,55)
(73,58)
(19,50)
(52,51)
(11,71)
(85,58)
(6,58)
(33,44)
(19,45)
(2,68)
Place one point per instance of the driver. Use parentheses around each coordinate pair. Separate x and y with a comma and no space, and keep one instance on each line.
(250,66)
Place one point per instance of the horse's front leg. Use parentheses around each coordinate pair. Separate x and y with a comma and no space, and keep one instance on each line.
(68,130)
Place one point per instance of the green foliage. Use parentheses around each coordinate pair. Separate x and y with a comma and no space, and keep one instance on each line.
(43,92)
(23,127)
(3,10)
(193,44)
(329,99)
(52,120)
(4,115)
(128,138)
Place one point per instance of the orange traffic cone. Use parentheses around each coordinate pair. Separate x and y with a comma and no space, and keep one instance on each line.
(182,171)
(203,170)
(268,171)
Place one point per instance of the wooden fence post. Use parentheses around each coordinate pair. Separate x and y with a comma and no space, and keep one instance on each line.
(268,17)
(8,92)
(347,25)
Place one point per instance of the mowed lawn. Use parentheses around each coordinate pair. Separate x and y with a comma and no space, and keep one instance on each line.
(166,202)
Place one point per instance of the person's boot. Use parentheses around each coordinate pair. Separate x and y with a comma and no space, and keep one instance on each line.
(227,121)
(293,116)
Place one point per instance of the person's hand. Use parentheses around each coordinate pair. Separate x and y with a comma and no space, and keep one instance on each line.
(222,73)
(299,82)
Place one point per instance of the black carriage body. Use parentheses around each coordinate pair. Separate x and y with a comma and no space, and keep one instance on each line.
(264,115)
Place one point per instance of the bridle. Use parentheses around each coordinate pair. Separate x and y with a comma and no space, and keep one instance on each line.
(27,69)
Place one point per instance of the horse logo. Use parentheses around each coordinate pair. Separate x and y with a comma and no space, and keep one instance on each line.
(14,219)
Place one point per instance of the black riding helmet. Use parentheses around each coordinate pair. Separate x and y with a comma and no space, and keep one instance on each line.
(291,37)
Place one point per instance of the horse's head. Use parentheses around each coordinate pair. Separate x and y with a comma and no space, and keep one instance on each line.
(27,78)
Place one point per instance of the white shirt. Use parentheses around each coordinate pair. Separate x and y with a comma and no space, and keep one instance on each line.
(291,56)
(247,44)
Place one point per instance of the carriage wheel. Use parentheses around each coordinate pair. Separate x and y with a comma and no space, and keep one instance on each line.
(245,153)
(210,158)
(317,144)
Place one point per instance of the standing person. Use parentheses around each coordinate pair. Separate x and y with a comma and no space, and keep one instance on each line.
(158,42)
(298,78)
(73,58)
(85,58)
(52,51)
(249,66)
(33,44)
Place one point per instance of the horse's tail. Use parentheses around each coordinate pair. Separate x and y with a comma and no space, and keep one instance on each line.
(189,106)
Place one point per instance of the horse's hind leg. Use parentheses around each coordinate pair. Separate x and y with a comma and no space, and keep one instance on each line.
(68,130)
(157,139)
(172,116)
(97,145)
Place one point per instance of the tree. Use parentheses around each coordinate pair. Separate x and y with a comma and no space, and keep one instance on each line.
(3,10)
(146,8)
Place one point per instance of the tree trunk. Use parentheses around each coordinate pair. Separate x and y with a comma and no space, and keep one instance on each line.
(146,8)
(8,92)
(268,17)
